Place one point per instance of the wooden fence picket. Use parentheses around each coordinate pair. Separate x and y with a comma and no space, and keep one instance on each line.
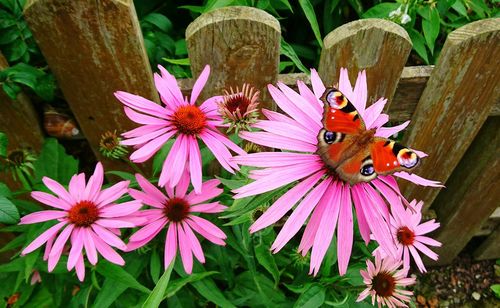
(472,193)
(490,248)
(379,46)
(459,95)
(94,48)
(241,45)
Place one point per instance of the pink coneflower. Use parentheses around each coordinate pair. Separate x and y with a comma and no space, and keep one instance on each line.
(409,234)
(384,283)
(176,211)
(182,118)
(239,109)
(325,198)
(87,216)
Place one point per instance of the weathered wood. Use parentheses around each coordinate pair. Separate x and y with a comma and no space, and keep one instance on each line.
(94,48)
(379,46)
(459,95)
(19,120)
(241,45)
(490,248)
(472,193)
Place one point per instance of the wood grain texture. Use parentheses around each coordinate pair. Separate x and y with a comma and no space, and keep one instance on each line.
(472,193)
(19,120)
(379,46)
(241,45)
(490,248)
(94,48)
(459,95)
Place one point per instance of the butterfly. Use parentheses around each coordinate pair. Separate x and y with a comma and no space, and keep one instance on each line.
(354,152)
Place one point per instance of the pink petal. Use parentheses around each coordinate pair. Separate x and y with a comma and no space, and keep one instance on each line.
(94,184)
(106,251)
(379,121)
(141,118)
(428,241)
(299,215)
(113,193)
(214,207)
(417,259)
(209,190)
(76,186)
(326,226)
(89,245)
(219,150)
(279,117)
(150,230)
(170,244)
(173,167)
(278,179)
(310,97)
(48,247)
(274,159)
(371,113)
(345,231)
(57,248)
(417,179)
(182,186)
(426,227)
(306,106)
(287,130)
(278,142)
(146,151)
(345,86)
(50,200)
(387,132)
(317,84)
(360,93)
(150,189)
(141,104)
(225,141)
(58,189)
(42,238)
(364,229)
(42,216)
(80,268)
(195,164)
(199,84)
(185,249)
(146,198)
(142,130)
(207,226)
(312,226)
(76,248)
(194,243)
(209,236)
(431,254)
(108,237)
(146,137)
(120,209)
(285,203)
(172,86)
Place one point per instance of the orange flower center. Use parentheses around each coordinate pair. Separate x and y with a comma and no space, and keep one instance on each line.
(83,214)
(189,120)
(405,236)
(176,209)
(384,284)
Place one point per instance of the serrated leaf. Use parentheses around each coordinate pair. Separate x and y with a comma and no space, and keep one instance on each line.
(156,296)
(117,273)
(8,212)
(312,297)
(308,10)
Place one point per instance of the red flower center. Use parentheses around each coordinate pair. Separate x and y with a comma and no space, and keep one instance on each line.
(237,101)
(405,236)
(176,209)
(83,214)
(384,284)
(189,120)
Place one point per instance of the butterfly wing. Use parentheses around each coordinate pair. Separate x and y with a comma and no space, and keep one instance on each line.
(339,114)
(390,156)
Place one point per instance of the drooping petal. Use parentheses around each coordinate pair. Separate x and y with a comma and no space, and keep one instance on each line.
(174,164)
(141,104)
(150,189)
(80,268)
(150,230)
(147,150)
(345,231)
(42,216)
(76,248)
(120,209)
(58,189)
(206,234)
(274,159)
(108,237)
(386,132)
(185,250)
(199,84)
(50,200)
(194,243)
(195,165)
(113,193)
(417,179)
(89,245)
(278,142)
(170,244)
(209,190)
(57,248)
(106,251)
(43,238)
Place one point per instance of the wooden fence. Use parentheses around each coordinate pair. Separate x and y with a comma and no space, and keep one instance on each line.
(95,48)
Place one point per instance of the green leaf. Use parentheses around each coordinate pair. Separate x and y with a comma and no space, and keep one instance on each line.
(45,87)
(161,156)
(180,47)
(231,184)
(4,142)
(160,21)
(8,212)
(178,284)
(6,19)
(496,289)
(460,8)
(156,296)
(16,50)
(122,174)
(11,89)
(308,10)
(9,35)
(117,273)
(266,259)
(184,61)
(381,10)
(155,266)
(418,44)
(54,163)
(431,28)
(288,52)
(312,297)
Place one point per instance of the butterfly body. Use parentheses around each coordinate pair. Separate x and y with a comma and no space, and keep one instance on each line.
(353,152)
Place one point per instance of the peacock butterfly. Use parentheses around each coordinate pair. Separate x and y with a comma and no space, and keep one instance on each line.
(354,152)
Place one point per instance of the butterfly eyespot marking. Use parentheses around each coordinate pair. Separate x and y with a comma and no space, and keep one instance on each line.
(407,158)
(336,99)
(367,170)
(333,137)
